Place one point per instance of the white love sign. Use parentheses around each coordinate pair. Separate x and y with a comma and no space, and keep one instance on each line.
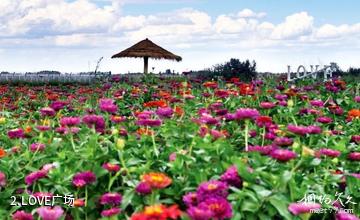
(302,72)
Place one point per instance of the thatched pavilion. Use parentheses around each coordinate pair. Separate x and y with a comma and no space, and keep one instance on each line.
(147,49)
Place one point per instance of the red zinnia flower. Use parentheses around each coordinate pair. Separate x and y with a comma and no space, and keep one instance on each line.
(156,180)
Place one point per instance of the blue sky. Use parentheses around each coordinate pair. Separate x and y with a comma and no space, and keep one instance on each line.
(70,35)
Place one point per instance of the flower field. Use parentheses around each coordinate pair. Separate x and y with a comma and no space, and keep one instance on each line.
(181,149)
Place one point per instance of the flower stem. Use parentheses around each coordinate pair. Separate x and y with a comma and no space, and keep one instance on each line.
(246,134)
(156,151)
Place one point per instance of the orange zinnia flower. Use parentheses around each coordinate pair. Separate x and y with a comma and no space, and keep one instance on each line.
(178,111)
(210,84)
(144,131)
(354,113)
(158,212)
(156,180)
(159,103)
(2,153)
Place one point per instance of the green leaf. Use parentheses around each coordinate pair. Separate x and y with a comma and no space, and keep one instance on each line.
(281,205)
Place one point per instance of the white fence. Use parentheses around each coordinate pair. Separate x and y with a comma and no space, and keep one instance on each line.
(53,78)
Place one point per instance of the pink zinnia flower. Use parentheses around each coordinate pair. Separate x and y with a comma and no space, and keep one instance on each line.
(165,112)
(299,208)
(246,113)
(346,216)
(354,156)
(324,120)
(16,133)
(190,199)
(283,141)
(267,105)
(231,177)
(357,99)
(111,198)
(149,122)
(111,167)
(196,213)
(172,157)
(34,176)
(47,111)
(50,213)
(328,152)
(37,147)
(69,121)
(22,215)
(212,188)
(283,155)
(83,178)
(43,127)
(2,179)
(110,212)
(220,207)
(143,188)
(317,103)
(107,105)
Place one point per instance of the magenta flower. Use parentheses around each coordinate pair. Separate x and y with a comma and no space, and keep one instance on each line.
(299,208)
(143,188)
(83,178)
(196,213)
(324,120)
(43,127)
(317,103)
(95,121)
(190,199)
(22,215)
(149,122)
(356,139)
(34,176)
(329,152)
(111,167)
(283,155)
(346,216)
(166,112)
(111,198)
(2,179)
(57,105)
(246,113)
(47,111)
(212,188)
(50,213)
(69,121)
(283,141)
(37,147)
(231,177)
(107,105)
(208,119)
(172,157)
(110,212)
(264,150)
(16,133)
(267,105)
(312,129)
(354,156)
(221,209)
(357,99)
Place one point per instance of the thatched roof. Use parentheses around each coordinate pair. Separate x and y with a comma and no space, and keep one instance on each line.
(147,48)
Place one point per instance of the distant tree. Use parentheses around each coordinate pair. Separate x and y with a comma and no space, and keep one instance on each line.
(246,70)
(354,71)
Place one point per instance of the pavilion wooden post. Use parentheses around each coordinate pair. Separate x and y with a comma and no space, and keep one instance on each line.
(146,64)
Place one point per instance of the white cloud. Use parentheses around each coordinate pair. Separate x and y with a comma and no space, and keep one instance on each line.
(247,13)
(82,24)
(295,25)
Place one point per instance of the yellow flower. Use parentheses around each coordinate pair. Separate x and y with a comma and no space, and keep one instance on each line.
(290,103)
(307,151)
(2,120)
(120,143)
(114,131)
